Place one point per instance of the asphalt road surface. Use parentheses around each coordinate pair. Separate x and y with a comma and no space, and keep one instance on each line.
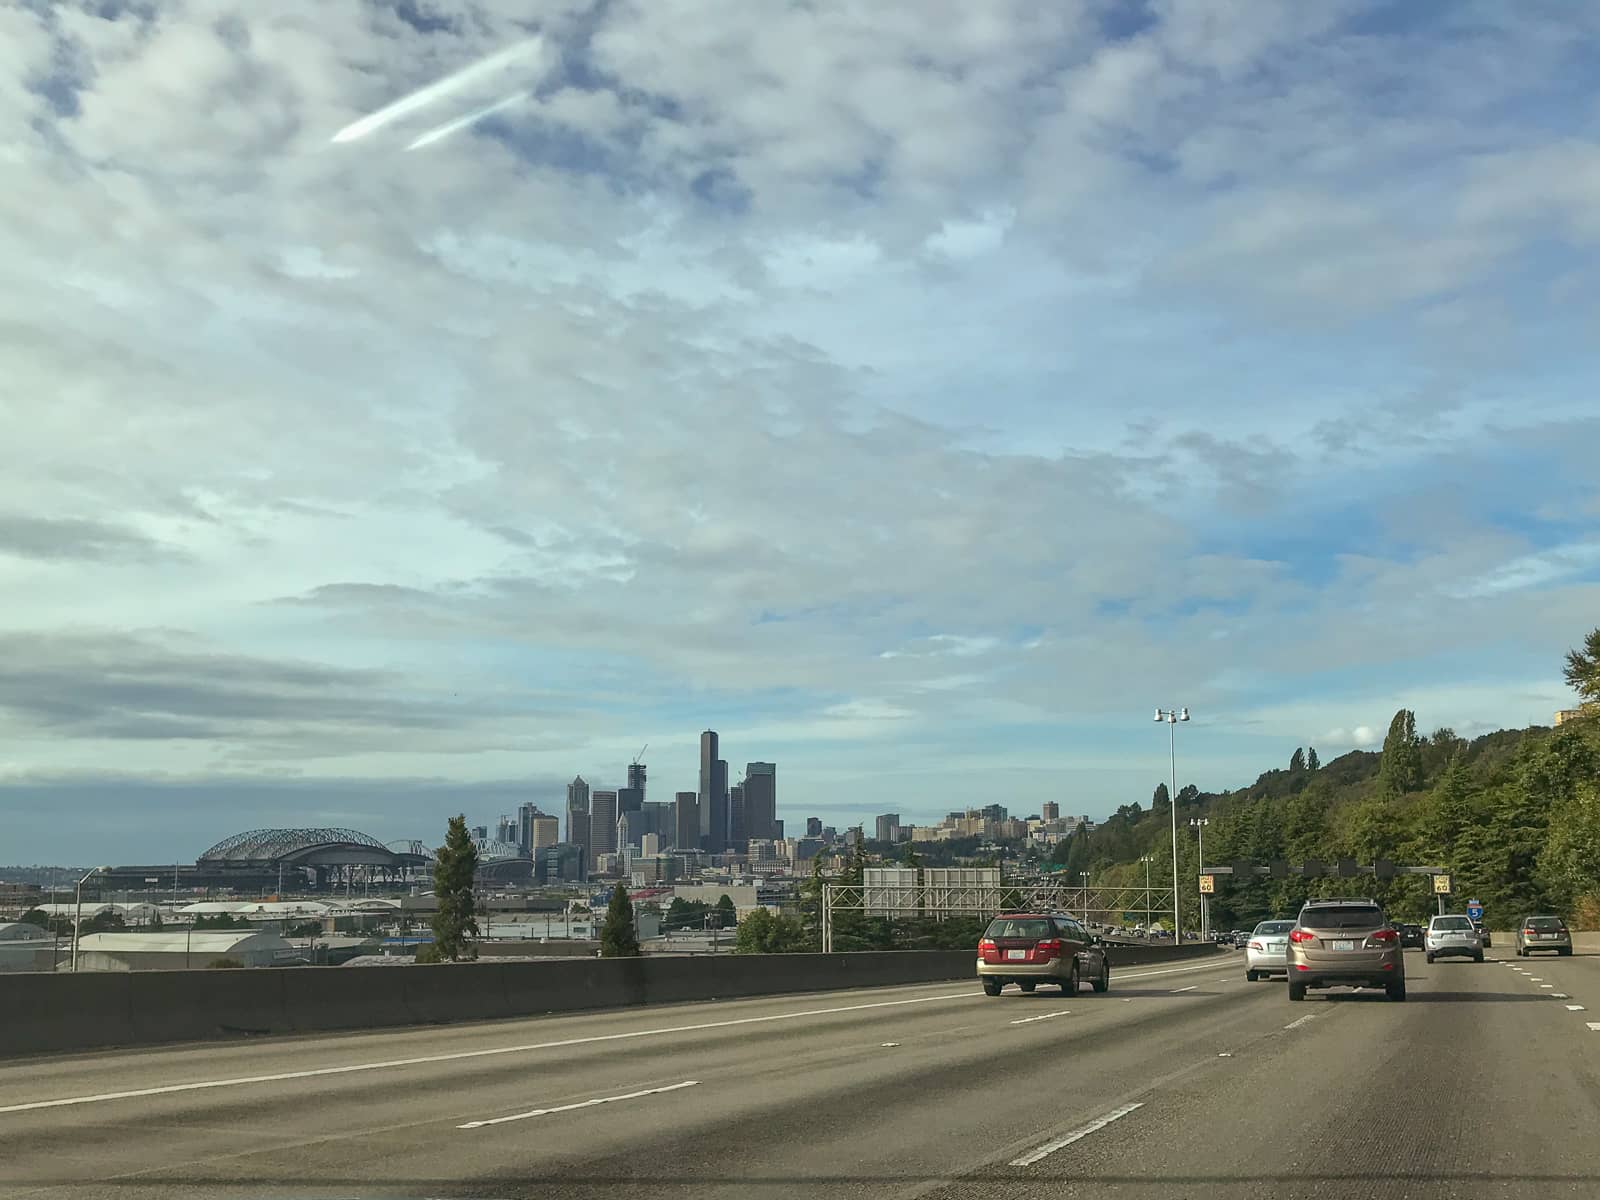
(1181,1082)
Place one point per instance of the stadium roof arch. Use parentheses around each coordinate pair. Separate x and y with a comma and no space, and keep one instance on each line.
(300,848)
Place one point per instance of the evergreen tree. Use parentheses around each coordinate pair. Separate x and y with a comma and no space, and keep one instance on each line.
(1161,798)
(1297,760)
(727,916)
(1400,770)
(618,937)
(1312,761)
(1583,668)
(454,871)
(36,916)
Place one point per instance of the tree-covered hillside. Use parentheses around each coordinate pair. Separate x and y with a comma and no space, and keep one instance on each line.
(1514,816)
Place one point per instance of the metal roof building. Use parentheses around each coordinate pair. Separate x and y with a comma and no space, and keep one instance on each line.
(175,951)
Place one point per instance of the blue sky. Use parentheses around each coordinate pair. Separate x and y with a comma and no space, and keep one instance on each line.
(412,406)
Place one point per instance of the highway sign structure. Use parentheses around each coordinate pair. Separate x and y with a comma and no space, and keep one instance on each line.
(1475,910)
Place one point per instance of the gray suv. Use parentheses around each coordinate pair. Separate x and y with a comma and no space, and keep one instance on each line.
(1345,943)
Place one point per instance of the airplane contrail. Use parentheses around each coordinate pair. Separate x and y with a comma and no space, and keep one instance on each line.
(438,90)
(440,132)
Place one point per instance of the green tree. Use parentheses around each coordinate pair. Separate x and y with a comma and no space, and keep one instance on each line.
(428,955)
(1160,798)
(1297,760)
(1583,668)
(36,916)
(105,921)
(1400,770)
(727,916)
(762,932)
(1312,761)
(224,964)
(618,937)
(454,871)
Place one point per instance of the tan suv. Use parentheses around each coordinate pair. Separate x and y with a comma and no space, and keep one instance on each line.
(1345,943)
(1028,949)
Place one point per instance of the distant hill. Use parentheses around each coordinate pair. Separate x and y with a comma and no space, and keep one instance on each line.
(1514,815)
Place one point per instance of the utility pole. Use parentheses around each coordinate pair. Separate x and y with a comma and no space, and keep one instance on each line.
(1172,718)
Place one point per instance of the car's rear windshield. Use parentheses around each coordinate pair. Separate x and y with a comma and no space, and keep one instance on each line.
(1440,923)
(1019,927)
(1275,927)
(1345,916)
(1545,924)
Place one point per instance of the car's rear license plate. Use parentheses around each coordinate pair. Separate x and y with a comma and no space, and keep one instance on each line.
(1344,945)
(1016,954)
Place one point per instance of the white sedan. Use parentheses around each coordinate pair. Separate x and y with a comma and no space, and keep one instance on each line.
(1267,951)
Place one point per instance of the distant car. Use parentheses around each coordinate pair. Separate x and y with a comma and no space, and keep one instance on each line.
(1028,949)
(1453,936)
(1411,936)
(1483,933)
(1239,938)
(1543,933)
(1266,950)
(1345,943)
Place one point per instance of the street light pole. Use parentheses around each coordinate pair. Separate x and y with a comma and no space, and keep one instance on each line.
(77,916)
(1199,824)
(1147,859)
(1172,718)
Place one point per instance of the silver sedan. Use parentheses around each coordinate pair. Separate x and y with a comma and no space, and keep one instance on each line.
(1267,950)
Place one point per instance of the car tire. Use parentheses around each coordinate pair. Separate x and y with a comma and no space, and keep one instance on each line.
(991,987)
(1027,985)
(1396,991)
(1103,984)
(1069,985)
(1297,991)
(1251,976)
(1430,958)
(1478,957)
(1563,951)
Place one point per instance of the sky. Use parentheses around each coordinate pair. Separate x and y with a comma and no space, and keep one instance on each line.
(410,405)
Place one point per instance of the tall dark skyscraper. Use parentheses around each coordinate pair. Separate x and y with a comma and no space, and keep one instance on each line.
(602,826)
(713,796)
(578,816)
(686,813)
(737,837)
(721,818)
(813,826)
(636,776)
(761,800)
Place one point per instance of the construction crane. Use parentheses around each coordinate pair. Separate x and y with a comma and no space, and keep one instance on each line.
(640,755)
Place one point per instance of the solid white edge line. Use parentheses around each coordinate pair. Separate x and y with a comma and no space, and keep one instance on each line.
(561,1108)
(1049,1148)
(1065,1012)
(1190,988)
(492,1051)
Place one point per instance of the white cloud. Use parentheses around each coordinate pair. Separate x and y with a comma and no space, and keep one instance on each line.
(839,376)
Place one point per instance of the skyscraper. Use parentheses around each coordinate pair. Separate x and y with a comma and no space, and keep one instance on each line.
(708,770)
(888,827)
(687,820)
(761,800)
(602,825)
(636,776)
(737,837)
(813,827)
(545,831)
(1050,811)
(578,816)
(527,817)
(721,822)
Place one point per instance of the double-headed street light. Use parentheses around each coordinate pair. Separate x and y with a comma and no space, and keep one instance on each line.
(1198,824)
(1172,719)
(1147,859)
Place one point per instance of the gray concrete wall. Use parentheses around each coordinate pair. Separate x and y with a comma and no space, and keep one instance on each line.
(44,1013)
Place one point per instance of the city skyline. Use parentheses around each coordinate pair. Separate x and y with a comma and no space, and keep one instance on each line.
(1058,363)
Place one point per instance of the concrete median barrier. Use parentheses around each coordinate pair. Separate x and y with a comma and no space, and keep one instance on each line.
(46,1013)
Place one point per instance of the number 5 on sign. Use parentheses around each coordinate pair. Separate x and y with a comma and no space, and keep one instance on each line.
(1208,885)
(1441,885)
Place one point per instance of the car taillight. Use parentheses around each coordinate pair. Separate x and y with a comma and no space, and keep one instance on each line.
(1049,949)
(1257,946)
(1301,935)
(1385,935)
(986,944)
(1527,933)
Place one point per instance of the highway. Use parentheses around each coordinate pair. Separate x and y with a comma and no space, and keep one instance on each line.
(1181,1082)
